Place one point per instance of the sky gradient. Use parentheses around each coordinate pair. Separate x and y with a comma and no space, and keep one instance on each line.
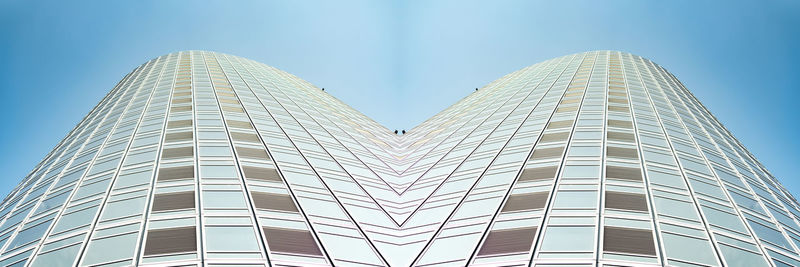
(399,62)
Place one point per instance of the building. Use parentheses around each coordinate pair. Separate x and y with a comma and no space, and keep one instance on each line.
(201,158)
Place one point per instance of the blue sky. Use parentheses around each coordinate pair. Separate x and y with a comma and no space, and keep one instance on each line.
(399,62)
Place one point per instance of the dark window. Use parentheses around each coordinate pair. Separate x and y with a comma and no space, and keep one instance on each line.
(176,137)
(239,124)
(559,124)
(540,173)
(180,109)
(617,136)
(617,93)
(259,173)
(620,124)
(623,173)
(232,109)
(175,173)
(252,153)
(173,201)
(626,201)
(228,101)
(245,137)
(172,240)
(179,124)
(178,152)
(567,109)
(181,100)
(547,153)
(291,241)
(554,137)
(619,152)
(617,109)
(618,100)
(508,241)
(628,240)
(528,201)
(272,201)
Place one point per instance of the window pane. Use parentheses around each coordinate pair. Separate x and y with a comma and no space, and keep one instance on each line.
(231,238)
(560,238)
(223,199)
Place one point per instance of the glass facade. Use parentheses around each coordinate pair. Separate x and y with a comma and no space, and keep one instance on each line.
(205,159)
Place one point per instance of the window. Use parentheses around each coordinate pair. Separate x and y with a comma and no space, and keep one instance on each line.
(111,248)
(628,240)
(239,124)
(259,173)
(291,241)
(626,201)
(584,151)
(244,137)
(223,200)
(688,248)
(559,124)
(526,201)
(622,137)
(554,137)
(252,153)
(619,152)
(675,208)
(214,151)
(177,137)
(179,124)
(569,238)
(508,241)
(217,171)
(171,240)
(273,201)
(575,200)
(547,153)
(623,173)
(180,108)
(176,173)
(581,171)
(176,153)
(620,124)
(173,201)
(231,238)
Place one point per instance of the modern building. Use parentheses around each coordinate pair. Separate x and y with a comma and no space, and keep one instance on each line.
(205,159)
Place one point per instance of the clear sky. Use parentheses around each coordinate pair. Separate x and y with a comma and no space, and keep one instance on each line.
(399,62)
